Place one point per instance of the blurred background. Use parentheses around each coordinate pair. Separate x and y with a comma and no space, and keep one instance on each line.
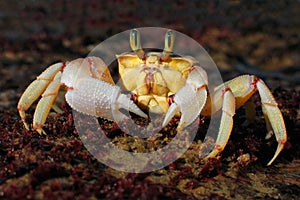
(254,37)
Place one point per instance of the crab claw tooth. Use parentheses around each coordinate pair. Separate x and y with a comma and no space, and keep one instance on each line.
(124,102)
(173,109)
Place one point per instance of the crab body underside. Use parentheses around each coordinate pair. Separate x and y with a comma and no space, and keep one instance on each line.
(159,82)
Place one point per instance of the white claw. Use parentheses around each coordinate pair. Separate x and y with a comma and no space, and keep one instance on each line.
(189,102)
(99,98)
(190,99)
(192,103)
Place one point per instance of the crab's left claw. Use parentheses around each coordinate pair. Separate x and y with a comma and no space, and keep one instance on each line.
(190,99)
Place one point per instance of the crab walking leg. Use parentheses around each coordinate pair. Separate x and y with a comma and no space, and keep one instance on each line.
(190,99)
(273,116)
(228,111)
(36,88)
(44,105)
(243,87)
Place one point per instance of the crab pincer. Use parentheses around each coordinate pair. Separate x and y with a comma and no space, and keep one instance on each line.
(190,99)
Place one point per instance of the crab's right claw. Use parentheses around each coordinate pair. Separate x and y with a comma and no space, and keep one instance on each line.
(190,99)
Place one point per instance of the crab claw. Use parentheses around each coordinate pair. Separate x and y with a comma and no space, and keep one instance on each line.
(99,98)
(190,99)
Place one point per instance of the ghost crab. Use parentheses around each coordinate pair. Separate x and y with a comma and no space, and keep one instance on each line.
(158,81)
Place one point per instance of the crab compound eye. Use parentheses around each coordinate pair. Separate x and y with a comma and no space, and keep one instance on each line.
(135,43)
(169,41)
(169,45)
(135,40)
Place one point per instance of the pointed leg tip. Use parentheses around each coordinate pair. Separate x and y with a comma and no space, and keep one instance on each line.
(23,118)
(271,161)
(278,150)
(213,154)
(41,131)
(38,128)
(26,126)
(269,135)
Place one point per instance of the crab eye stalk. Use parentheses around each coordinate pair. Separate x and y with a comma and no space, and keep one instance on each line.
(169,44)
(135,43)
